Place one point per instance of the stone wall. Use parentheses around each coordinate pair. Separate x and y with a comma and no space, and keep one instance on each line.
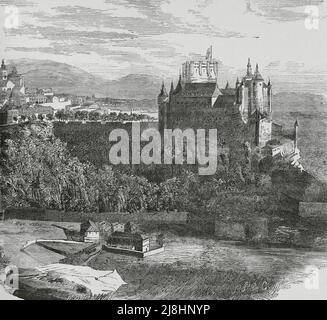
(242,230)
(42,214)
(90,141)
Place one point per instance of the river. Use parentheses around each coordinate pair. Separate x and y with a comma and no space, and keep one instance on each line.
(304,272)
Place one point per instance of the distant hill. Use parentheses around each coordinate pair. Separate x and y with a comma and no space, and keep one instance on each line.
(311,112)
(61,77)
(288,106)
(299,102)
(64,78)
(135,86)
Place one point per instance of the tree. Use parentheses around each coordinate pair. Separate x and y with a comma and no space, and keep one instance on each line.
(81,115)
(40,172)
(60,115)
(49,117)
(94,116)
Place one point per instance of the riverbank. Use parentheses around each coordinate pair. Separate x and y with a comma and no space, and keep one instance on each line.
(190,267)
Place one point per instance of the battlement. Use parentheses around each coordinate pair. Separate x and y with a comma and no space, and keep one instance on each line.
(200,71)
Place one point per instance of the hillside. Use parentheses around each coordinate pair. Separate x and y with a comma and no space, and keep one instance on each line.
(134,86)
(61,77)
(294,102)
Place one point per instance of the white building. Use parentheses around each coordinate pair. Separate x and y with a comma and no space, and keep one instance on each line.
(90,231)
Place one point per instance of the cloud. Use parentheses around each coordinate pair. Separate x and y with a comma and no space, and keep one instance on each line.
(281,10)
(18,3)
(60,33)
(113,38)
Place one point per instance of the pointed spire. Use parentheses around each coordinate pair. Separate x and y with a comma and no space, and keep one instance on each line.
(3,65)
(227,85)
(249,68)
(171,87)
(257,75)
(163,92)
(296,126)
(179,85)
(269,82)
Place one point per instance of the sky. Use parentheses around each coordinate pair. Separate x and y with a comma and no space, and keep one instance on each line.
(114,38)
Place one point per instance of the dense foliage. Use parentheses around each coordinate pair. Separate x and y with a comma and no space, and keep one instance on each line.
(80,115)
(38,170)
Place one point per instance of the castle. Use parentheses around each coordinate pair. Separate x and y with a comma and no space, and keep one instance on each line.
(242,115)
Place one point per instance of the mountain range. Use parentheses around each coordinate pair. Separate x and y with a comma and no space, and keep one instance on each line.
(64,78)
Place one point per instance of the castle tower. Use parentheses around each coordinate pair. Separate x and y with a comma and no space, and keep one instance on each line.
(169,105)
(247,96)
(269,97)
(258,101)
(237,84)
(249,74)
(296,132)
(202,71)
(179,85)
(171,88)
(162,107)
(162,97)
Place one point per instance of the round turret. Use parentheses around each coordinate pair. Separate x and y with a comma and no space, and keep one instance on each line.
(258,91)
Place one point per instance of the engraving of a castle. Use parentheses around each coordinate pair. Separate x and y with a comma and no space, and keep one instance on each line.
(163,150)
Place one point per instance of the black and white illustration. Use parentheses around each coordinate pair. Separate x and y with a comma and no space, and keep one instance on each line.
(163,150)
